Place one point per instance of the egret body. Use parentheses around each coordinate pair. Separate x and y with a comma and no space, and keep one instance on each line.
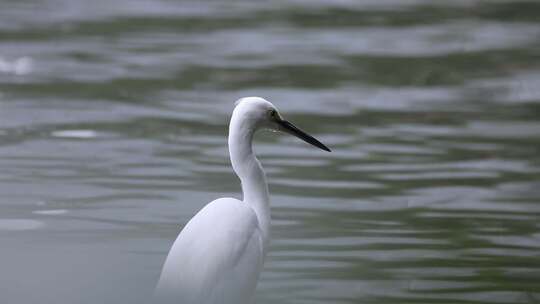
(218,256)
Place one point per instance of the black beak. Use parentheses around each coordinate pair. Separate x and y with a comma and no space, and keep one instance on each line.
(288,127)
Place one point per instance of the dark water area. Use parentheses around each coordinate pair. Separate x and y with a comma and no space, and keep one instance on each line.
(113,125)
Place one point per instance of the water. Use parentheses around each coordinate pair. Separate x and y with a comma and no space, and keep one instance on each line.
(113,121)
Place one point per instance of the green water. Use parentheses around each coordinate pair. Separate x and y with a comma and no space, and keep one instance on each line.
(113,125)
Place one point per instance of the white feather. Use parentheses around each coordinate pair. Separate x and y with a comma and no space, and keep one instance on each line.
(216,258)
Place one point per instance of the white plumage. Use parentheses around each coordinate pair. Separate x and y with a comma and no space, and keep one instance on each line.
(220,247)
(218,256)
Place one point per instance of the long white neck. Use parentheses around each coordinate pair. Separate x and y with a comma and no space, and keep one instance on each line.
(249,170)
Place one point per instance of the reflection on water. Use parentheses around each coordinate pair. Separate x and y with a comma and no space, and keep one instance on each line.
(113,134)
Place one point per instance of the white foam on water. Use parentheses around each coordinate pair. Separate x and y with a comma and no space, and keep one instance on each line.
(75,134)
(18,66)
(51,212)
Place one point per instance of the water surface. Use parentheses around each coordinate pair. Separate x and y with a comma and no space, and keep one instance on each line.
(113,125)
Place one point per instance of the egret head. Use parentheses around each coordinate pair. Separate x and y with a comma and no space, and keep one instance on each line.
(259,113)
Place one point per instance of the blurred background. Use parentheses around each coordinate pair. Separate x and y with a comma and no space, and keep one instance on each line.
(113,125)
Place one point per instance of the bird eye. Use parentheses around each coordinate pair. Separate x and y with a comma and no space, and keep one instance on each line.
(273,113)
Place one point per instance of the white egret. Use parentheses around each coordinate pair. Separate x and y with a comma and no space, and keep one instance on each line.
(218,256)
